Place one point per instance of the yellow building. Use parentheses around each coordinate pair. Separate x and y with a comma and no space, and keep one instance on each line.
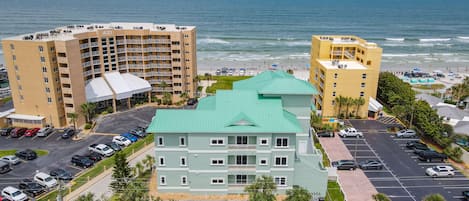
(346,66)
(53,72)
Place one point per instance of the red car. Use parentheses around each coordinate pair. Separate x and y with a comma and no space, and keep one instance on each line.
(17,132)
(31,132)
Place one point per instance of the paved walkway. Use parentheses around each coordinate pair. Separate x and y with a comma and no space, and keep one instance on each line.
(205,84)
(355,184)
(99,185)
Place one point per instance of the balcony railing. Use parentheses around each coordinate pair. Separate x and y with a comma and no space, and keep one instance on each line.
(132,49)
(87,73)
(95,53)
(242,146)
(86,64)
(120,50)
(134,41)
(158,41)
(135,58)
(120,42)
(85,55)
(84,45)
(135,66)
(159,66)
(160,81)
(159,74)
(161,89)
(121,59)
(94,44)
(95,62)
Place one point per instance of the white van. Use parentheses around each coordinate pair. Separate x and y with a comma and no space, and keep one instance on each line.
(44,132)
(45,180)
(14,194)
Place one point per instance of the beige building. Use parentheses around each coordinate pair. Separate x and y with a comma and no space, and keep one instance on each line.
(53,72)
(346,66)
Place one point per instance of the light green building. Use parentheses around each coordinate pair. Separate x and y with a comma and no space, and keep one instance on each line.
(261,127)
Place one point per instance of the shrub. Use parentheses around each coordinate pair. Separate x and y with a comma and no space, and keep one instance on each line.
(454,153)
(87,126)
(109,109)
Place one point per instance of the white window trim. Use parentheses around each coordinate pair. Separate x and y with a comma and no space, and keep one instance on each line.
(165,181)
(280,177)
(217,159)
(159,161)
(184,184)
(275,161)
(180,161)
(158,141)
(288,142)
(211,139)
(217,178)
(185,142)
(266,161)
(260,141)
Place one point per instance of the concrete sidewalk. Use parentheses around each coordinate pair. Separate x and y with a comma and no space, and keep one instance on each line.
(355,184)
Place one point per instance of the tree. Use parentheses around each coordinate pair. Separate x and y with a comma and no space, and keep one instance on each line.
(381,197)
(262,189)
(163,84)
(86,197)
(358,103)
(290,71)
(121,174)
(184,96)
(434,197)
(73,119)
(340,102)
(298,194)
(139,168)
(208,77)
(167,98)
(88,110)
(149,161)
(135,191)
(348,104)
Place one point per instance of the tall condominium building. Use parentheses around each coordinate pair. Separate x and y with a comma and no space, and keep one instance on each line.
(53,72)
(261,127)
(346,66)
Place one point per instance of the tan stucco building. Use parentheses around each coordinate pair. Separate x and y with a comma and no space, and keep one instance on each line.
(53,72)
(345,66)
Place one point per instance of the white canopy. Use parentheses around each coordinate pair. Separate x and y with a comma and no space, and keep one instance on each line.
(25,117)
(374,105)
(118,85)
(98,90)
(136,84)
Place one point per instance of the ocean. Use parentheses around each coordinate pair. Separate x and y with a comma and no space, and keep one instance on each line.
(430,34)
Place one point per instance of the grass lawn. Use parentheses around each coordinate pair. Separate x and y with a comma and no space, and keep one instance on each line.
(40,152)
(325,160)
(223,82)
(429,87)
(334,193)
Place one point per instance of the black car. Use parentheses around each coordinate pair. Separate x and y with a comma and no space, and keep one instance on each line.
(345,165)
(114,146)
(465,194)
(26,154)
(30,187)
(6,131)
(95,157)
(325,134)
(430,156)
(192,101)
(61,174)
(371,165)
(68,133)
(82,161)
(412,144)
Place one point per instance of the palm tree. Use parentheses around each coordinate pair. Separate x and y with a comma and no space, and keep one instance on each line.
(298,194)
(163,85)
(208,77)
(434,197)
(358,103)
(340,102)
(167,98)
(73,119)
(348,102)
(139,169)
(149,161)
(184,96)
(263,188)
(88,110)
(86,197)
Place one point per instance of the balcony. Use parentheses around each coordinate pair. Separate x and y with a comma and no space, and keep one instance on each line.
(85,55)
(161,89)
(86,64)
(134,58)
(134,49)
(97,70)
(68,100)
(95,53)
(121,59)
(94,44)
(241,146)
(96,62)
(121,50)
(84,46)
(160,81)
(120,42)
(87,73)
(134,41)
(159,66)
(158,58)
(162,41)
(135,66)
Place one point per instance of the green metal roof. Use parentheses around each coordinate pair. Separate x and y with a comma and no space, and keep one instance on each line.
(276,82)
(229,111)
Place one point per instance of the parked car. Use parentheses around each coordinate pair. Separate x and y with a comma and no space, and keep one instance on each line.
(465,194)
(192,101)
(4,167)
(17,132)
(61,174)
(412,144)
(31,187)
(44,132)
(114,146)
(218,72)
(31,132)
(13,194)
(93,156)
(345,164)
(6,131)
(137,132)
(45,180)
(101,149)
(430,156)
(440,171)
(325,134)
(82,161)
(130,137)
(13,160)
(26,154)
(69,132)
(406,133)
(122,141)
(350,132)
(371,164)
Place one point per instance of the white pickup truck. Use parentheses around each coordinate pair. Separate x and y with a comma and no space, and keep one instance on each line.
(101,149)
(350,132)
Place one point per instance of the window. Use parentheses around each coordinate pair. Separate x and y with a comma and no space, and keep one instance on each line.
(335,75)
(62,54)
(14,57)
(17,77)
(217,141)
(263,161)
(161,161)
(183,161)
(160,141)
(47,90)
(49,99)
(242,160)
(183,180)
(333,102)
(41,49)
(362,84)
(281,161)
(12,47)
(364,75)
(264,141)
(362,94)
(368,63)
(335,84)
(20,87)
(241,179)
(333,93)
(186,36)
(241,139)
(16,67)
(218,181)
(182,141)
(217,161)
(44,69)
(162,180)
(281,181)
(21,97)
(43,59)
(281,142)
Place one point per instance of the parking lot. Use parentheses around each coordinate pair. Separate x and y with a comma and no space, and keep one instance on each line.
(403,176)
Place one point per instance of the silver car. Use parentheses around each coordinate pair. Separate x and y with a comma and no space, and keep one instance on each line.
(406,133)
(13,160)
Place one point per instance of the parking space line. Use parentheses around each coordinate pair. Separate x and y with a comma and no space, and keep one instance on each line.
(399,196)
(49,135)
(458,197)
(382,179)
(375,171)
(75,167)
(34,137)
(432,164)
(366,157)
(354,144)
(414,157)
(58,138)
(456,187)
(21,137)
(409,151)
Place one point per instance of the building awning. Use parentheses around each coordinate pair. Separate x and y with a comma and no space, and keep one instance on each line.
(118,85)
(136,84)
(97,90)
(374,105)
(25,117)
(6,113)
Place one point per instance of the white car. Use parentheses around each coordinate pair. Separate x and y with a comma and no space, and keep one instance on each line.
(14,194)
(44,132)
(440,171)
(350,132)
(102,149)
(406,133)
(122,141)
(13,160)
(45,180)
